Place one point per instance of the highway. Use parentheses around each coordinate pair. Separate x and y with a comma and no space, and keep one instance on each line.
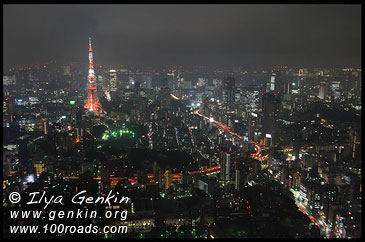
(256,156)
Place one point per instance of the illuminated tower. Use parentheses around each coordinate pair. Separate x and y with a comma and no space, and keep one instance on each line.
(92,102)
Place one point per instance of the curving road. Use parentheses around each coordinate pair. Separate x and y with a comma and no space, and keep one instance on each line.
(256,156)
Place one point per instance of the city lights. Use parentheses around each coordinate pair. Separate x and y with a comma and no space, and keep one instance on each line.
(191,115)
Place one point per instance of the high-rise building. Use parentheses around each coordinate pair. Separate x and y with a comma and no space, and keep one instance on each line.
(205,105)
(323,90)
(180,80)
(270,109)
(142,109)
(352,81)
(156,170)
(165,98)
(226,166)
(11,105)
(229,90)
(276,84)
(270,86)
(168,179)
(335,90)
(67,79)
(237,180)
(113,80)
(354,141)
(253,125)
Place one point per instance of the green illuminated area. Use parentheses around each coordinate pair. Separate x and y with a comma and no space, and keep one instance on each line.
(127,132)
(124,132)
(72,102)
(118,133)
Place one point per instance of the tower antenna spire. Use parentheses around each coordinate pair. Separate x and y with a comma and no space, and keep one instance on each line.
(92,103)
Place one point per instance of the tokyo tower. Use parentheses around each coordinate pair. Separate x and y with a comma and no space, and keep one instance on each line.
(92,102)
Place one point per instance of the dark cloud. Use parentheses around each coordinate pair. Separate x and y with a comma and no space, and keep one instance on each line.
(184,34)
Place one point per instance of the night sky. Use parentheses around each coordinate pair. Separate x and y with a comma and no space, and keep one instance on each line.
(155,35)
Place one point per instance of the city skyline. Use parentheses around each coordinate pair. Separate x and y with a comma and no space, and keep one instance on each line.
(182,121)
(155,35)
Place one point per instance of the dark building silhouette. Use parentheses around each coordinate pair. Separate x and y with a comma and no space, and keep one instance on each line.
(270,109)
(228,90)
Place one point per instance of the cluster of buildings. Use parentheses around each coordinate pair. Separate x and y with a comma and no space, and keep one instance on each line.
(197,150)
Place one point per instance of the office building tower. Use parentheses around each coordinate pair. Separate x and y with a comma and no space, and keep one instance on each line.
(156,171)
(237,180)
(142,109)
(168,179)
(276,83)
(11,105)
(205,106)
(226,166)
(270,109)
(323,90)
(270,86)
(165,98)
(229,90)
(253,125)
(113,80)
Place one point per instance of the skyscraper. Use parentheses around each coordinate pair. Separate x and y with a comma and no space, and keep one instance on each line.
(270,86)
(205,105)
(228,90)
(168,179)
(165,99)
(225,166)
(113,80)
(237,182)
(253,124)
(276,83)
(11,105)
(270,109)
(323,90)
